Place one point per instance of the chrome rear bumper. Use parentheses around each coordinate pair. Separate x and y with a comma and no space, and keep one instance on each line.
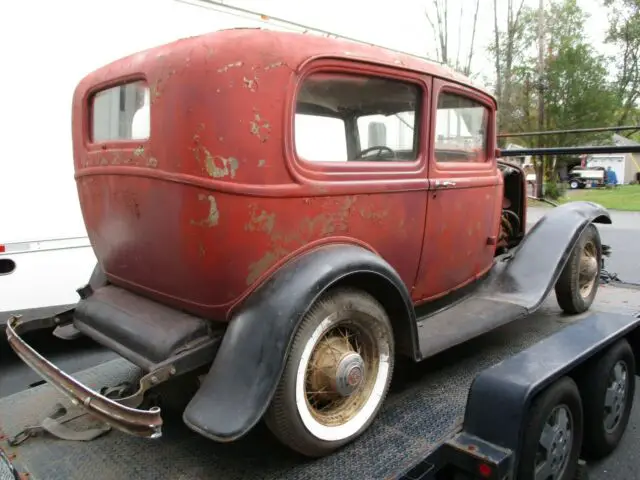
(141,423)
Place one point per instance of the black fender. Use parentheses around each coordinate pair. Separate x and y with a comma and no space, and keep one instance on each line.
(500,397)
(245,373)
(529,273)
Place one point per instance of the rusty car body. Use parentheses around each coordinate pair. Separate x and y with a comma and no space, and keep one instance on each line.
(292,212)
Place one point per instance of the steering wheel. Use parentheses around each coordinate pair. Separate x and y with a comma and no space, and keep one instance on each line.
(380,149)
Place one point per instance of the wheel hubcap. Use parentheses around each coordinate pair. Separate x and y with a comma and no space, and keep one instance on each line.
(554,446)
(349,374)
(588,270)
(337,370)
(615,397)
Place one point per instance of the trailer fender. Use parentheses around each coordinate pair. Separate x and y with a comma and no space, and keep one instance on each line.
(499,399)
(536,264)
(245,373)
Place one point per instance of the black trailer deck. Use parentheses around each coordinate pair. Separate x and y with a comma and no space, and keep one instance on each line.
(425,406)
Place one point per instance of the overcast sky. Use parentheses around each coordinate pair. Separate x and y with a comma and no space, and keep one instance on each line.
(402,24)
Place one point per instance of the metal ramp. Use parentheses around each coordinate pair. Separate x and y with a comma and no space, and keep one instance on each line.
(425,405)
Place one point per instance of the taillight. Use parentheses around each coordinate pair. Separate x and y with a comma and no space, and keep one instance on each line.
(485,470)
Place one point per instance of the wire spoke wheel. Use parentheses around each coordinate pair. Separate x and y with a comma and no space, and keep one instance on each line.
(341,373)
(588,270)
(577,286)
(337,374)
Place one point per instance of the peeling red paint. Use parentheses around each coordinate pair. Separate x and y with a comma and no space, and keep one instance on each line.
(260,128)
(250,83)
(213,215)
(228,66)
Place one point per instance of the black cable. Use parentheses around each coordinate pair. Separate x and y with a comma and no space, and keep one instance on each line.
(609,277)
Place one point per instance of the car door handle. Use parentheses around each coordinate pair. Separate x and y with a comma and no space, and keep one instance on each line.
(445,184)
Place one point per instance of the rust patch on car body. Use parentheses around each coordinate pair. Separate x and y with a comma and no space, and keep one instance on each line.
(332,220)
(229,65)
(250,83)
(260,222)
(213,217)
(260,128)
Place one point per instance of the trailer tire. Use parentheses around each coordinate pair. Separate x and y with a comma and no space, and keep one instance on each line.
(578,283)
(574,184)
(341,358)
(609,375)
(560,443)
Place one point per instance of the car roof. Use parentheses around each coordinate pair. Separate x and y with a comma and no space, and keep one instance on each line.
(296,49)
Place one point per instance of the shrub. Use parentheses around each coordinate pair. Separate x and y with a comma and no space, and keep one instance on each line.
(554,190)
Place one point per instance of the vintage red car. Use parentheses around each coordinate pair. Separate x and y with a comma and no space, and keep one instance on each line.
(293,212)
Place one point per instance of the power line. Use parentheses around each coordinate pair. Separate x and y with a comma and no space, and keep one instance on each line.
(236,11)
(574,130)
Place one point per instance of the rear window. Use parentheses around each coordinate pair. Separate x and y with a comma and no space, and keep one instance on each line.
(121,113)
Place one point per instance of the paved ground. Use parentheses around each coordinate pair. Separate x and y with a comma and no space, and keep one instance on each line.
(623,235)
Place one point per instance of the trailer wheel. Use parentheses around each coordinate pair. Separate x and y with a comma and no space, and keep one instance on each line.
(578,283)
(607,394)
(337,374)
(574,184)
(553,439)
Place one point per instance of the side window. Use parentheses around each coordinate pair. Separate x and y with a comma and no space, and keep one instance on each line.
(461,129)
(346,118)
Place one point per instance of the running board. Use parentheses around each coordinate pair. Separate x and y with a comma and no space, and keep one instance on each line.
(467,319)
(517,284)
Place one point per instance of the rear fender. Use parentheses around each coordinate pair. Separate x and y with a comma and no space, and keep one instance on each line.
(242,380)
(535,265)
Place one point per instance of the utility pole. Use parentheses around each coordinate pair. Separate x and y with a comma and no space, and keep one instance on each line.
(540,168)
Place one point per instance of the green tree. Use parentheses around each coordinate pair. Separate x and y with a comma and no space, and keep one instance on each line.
(577,92)
(507,50)
(624,33)
(575,86)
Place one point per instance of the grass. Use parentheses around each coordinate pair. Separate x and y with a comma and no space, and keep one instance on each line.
(624,197)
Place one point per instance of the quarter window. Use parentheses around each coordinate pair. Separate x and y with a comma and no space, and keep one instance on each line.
(350,118)
(461,129)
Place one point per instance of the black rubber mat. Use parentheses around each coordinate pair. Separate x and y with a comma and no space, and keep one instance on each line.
(424,407)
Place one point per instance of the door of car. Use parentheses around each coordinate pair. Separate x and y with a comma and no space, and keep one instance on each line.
(464,191)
